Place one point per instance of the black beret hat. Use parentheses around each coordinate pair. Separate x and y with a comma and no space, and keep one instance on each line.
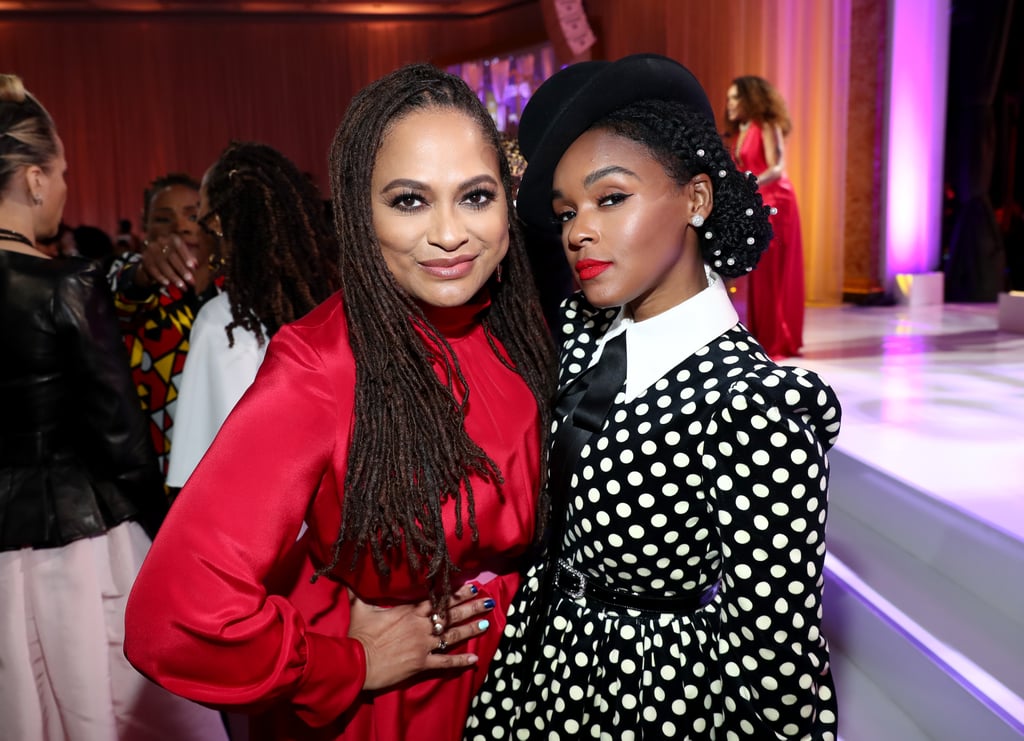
(574,99)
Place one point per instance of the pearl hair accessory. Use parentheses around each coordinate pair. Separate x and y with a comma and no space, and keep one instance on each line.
(774,210)
(750,240)
(700,152)
(721,173)
(750,212)
(708,235)
(697,220)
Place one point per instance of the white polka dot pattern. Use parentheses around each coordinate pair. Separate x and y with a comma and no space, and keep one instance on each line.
(717,471)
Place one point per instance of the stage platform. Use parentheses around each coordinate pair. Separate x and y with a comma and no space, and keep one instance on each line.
(925,585)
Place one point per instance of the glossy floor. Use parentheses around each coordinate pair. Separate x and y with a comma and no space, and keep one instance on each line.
(933,396)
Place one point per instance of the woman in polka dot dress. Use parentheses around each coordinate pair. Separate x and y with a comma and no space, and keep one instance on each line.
(680,592)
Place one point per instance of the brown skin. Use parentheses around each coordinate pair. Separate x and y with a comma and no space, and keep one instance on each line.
(619,207)
(173,252)
(399,641)
(440,216)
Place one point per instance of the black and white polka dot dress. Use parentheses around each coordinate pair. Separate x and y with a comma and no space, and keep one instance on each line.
(716,472)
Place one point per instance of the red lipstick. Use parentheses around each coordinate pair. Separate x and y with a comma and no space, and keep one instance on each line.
(590,269)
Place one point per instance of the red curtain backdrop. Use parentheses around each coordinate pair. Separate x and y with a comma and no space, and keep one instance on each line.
(137,96)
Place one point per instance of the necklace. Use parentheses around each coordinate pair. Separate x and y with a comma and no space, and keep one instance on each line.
(8,235)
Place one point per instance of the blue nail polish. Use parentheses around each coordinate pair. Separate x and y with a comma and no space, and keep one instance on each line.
(483,625)
(488,603)
(473,589)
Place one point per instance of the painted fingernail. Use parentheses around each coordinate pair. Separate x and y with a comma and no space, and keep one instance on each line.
(472,658)
(488,603)
(483,625)
(192,263)
(188,276)
(473,589)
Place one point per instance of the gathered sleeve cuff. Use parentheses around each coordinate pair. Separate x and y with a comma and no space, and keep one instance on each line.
(204,619)
(765,459)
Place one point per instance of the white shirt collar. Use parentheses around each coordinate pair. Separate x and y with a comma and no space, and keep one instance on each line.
(657,345)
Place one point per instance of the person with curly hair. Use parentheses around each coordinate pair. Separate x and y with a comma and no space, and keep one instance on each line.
(341,559)
(679,594)
(757,125)
(264,220)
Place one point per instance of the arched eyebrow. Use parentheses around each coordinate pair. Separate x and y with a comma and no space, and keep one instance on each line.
(609,170)
(598,174)
(416,185)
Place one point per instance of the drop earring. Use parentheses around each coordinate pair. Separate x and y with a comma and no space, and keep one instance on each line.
(697,220)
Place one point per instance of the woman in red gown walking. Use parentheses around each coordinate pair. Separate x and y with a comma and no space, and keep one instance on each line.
(758,123)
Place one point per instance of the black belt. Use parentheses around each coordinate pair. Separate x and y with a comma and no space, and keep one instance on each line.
(576,584)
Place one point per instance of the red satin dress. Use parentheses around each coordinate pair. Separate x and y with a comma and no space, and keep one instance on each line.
(775,289)
(223,611)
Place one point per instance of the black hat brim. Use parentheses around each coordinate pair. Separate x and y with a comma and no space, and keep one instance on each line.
(573,99)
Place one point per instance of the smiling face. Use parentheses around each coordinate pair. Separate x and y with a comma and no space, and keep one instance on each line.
(625,224)
(439,207)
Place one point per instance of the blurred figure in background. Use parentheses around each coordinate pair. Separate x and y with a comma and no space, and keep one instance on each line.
(126,239)
(80,491)
(158,293)
(95,244)
(280,260)
(758,124)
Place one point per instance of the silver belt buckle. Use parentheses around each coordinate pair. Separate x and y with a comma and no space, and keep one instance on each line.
(581,580)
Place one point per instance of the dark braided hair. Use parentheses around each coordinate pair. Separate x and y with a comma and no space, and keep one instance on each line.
(686,144)
(283,258)
(158,184)
(410,451)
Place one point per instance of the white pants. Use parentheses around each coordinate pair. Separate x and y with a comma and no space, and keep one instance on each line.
(63,675)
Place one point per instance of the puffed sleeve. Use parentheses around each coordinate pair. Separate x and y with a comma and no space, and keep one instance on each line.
(116,435)
(201,620)
(765,453)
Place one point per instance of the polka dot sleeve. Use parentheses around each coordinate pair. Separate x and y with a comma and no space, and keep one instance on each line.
(765,457)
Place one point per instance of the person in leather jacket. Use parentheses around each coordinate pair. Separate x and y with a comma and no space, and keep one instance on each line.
(81,495)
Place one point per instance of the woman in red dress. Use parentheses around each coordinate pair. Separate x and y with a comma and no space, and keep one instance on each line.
(758,124)
(389,444)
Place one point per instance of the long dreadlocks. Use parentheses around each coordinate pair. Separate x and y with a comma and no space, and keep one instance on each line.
(284,258)
(410,451)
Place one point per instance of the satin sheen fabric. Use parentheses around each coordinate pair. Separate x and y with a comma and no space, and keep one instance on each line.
(223,610)
(775,298)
